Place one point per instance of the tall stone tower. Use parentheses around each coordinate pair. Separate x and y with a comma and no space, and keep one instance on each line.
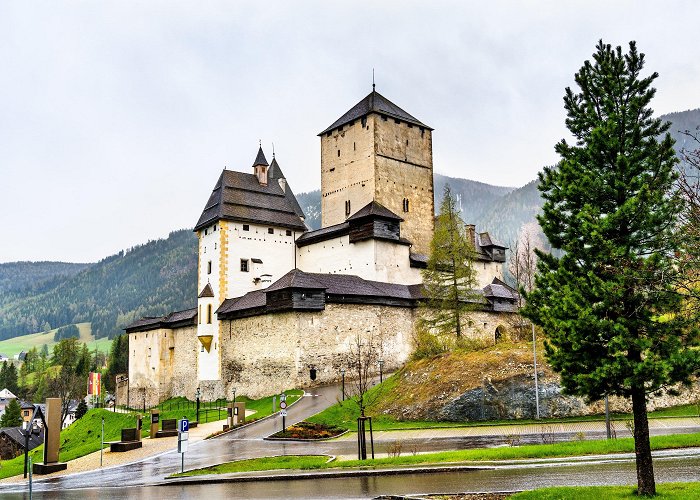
(378,152)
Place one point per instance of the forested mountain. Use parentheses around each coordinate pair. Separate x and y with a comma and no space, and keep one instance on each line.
(34,276)
(150,279)
(160,276)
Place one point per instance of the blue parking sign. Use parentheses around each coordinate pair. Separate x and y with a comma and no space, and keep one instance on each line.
(184,425)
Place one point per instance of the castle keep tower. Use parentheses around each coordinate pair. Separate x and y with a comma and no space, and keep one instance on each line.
(378,152)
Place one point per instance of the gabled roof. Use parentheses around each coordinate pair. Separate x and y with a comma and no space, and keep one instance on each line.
(323,234)
(172,320)
(260,158)
(485,240)
(240,197)
(375,103)
(6,394)
(374,209)
(206,291)
(17,435)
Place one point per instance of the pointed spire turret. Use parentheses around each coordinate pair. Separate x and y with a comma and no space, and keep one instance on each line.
(260,159)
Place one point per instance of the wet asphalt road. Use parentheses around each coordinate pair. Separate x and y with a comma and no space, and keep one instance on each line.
(248,443)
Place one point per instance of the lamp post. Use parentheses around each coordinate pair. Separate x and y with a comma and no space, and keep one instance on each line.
(26,428)
(342,373)
(234,396)
(196,395)
(381,366)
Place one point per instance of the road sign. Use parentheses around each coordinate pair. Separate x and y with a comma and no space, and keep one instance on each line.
(184,425)
(283,405)
(182,446)
(283,413)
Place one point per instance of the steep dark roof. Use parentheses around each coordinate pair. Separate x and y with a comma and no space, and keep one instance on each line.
(173,320)
(240,197)
(251,300)
(375,103)
(275,172)
(17,435)
(323,234)
(260,158)
(418,260)
(374,209)
(485,240)
(296,279)
(206,291)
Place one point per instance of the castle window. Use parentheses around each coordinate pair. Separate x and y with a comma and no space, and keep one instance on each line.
(406,205)
(215,246)
(244,265)
(209,267)
(205,249)
(206,232)
(339,153)
(289,232)
(397,121)
(270,230)
(214,227)
(209,314)
(199,316)
(354,148)
(363,120)
(384,117)
(328,134)
(246,227)
(347,208)
(149,351)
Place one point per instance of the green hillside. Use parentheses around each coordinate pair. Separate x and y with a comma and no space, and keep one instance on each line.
(151,279)
(15,345)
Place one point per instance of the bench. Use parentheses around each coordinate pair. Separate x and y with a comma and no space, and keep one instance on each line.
(168,428)
(129,441)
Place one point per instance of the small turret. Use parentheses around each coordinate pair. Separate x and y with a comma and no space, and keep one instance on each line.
(260,167)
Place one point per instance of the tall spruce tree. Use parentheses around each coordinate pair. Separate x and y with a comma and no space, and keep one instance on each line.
(450,278)
(12,417)
(608,306)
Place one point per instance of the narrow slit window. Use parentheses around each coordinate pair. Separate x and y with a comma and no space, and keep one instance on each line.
(209,267)
(244,265)
(209,314)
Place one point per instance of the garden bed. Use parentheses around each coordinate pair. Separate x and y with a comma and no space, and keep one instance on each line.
(309,431)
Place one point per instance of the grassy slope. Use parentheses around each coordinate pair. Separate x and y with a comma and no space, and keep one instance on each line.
(81,438)
(15,345)
(262,407)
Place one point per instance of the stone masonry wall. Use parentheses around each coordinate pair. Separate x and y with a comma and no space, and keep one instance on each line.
(267,354)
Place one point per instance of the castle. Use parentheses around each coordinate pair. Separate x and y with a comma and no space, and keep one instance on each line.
(280,305)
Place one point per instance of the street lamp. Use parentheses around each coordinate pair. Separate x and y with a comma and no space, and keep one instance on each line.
(196,395)
(234,396)
(342,372)
(381,366)
(28,428)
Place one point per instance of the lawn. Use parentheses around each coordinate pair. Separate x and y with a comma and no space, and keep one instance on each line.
(540,451)
(80,438)
(666,491)
(267,463)
(182,407)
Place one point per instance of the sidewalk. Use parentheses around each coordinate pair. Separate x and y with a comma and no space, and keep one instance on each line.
(150,448)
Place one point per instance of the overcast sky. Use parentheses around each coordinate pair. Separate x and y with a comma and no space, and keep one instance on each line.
(116,118)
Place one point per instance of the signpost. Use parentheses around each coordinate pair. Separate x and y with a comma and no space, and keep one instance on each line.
(183,432)
(283,410)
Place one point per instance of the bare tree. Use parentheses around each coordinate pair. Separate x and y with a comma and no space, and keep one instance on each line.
(363,363)
(68,387)
(522,266)
(689,185)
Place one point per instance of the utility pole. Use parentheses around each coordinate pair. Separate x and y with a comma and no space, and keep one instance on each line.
(534,357)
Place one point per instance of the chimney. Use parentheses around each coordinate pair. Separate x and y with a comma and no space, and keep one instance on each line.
(471,234)
(261,174)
